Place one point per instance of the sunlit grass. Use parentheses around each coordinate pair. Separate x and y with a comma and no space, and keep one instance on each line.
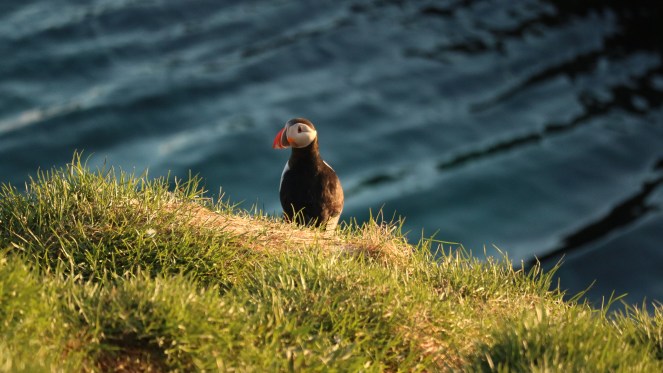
(102,270)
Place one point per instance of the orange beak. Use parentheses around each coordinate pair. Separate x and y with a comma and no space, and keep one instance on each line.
(278,143)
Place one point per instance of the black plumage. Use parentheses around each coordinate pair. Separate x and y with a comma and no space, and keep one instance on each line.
(310,191)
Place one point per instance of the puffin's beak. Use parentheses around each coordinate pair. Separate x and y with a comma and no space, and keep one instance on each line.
(278,140)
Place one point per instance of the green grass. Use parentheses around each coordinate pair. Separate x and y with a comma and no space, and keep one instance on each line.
(104,271)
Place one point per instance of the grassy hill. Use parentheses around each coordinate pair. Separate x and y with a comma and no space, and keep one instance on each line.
(105,271)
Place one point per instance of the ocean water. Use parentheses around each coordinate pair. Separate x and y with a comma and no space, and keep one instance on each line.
(534,126)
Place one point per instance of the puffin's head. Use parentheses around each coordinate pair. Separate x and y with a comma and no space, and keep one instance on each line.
(297,133)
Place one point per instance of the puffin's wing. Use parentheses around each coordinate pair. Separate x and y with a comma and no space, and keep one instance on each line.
(335,200)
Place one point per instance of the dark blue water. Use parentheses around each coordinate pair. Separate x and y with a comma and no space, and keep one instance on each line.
(535,126)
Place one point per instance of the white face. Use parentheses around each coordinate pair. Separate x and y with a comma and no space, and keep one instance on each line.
(299,135)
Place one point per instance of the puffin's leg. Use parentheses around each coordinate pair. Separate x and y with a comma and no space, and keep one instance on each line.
(331,224)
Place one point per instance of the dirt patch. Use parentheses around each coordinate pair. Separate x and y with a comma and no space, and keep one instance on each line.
(132,360)
(274,235)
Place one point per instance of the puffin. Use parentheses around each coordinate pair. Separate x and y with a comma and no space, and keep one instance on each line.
(309,190)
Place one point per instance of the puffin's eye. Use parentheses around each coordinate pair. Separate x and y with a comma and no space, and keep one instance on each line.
(299,129)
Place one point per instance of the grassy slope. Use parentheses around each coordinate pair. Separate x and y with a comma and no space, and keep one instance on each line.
(102,271)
